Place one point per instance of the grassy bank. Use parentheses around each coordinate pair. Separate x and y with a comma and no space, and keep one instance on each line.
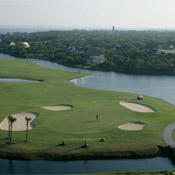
(78,124)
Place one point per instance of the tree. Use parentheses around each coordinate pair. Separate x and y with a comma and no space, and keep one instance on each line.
(12,120)
(8,118)
(27,127)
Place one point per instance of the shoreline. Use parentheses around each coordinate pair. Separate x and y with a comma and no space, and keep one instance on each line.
(44,154)
(100,69)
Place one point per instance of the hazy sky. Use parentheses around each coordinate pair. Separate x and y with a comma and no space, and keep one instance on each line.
(89,13)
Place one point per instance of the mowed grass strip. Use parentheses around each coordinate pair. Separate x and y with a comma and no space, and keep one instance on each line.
(79,123)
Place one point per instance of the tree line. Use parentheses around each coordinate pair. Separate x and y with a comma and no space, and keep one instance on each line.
(126,51)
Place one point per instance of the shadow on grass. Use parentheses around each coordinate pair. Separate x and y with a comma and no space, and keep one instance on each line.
(90,121)
(69,150)
(59,145)
(4,139)
(74,149)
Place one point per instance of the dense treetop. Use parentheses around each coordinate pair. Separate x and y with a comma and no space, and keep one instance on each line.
(150,52)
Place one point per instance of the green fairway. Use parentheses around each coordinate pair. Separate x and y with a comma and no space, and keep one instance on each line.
(78,124)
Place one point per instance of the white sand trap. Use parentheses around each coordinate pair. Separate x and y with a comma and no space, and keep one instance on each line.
(136,107)
(57,108)
(20,123)
(133,126)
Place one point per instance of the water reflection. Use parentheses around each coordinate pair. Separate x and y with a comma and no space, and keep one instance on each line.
(11,167)
(78,81)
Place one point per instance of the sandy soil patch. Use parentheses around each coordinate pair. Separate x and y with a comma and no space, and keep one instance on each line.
(20,123)
(57,108)
(132,126)
(136,107)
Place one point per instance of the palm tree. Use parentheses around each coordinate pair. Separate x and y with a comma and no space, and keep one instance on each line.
(12,120)
(8,118)
(27,128)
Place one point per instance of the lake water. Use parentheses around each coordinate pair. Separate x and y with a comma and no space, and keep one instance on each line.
(13,80)
(84,166)
(157,86)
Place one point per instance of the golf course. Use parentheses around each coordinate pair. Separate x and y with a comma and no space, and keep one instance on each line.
(92,124)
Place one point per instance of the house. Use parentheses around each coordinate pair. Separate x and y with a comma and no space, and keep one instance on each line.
(25,44)
(71,48)
(94,57)
(171,47)
(82,39)
(12,44)
(158,52)
(80,50)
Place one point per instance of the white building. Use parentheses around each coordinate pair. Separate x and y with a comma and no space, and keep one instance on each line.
(12,44)
(25,44)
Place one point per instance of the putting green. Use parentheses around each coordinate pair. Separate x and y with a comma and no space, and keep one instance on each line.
(78,124)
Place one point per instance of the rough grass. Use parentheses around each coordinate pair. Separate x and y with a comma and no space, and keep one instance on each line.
(78,124)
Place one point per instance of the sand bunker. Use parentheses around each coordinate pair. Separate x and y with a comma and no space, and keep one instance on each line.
(57,108)
(136,107)
(133,126)
(20,123)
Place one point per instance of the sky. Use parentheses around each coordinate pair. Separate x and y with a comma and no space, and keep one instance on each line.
(102,14)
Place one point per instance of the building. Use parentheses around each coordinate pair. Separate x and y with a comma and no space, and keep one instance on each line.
(25,44)
(80,50)
(71,48)
(94,57)
(171,47)
(113,28)
(12,44)
(158,52)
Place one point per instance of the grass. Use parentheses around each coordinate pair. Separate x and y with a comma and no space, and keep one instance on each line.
(78,124)
(168,51)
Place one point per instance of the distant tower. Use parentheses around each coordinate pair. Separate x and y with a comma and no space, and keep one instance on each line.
(113,28)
